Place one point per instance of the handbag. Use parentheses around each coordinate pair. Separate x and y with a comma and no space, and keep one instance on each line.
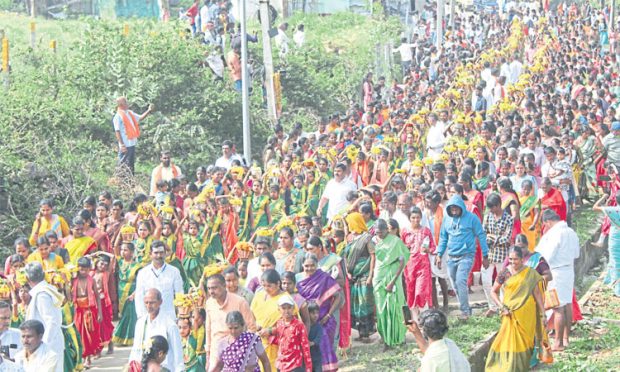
(545,353)
(551,299)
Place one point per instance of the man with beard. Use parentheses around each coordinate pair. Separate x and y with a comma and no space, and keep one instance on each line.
(165,171)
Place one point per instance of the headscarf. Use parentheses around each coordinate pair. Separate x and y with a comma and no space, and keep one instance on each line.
(356,223)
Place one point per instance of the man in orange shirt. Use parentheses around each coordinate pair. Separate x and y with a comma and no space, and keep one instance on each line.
(127,130)
(220,303)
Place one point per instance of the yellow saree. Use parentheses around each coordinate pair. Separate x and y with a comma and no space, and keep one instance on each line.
(78,247)
(514,344)
(265,309)
(529,204)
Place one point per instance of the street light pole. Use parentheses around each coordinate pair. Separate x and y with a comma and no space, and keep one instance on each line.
(439,28)
(245,80)
(268,60)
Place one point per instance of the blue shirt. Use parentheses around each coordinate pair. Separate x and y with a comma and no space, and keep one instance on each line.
(120,127)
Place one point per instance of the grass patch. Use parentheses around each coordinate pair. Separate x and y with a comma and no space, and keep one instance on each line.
(603,304)
(595,347)
(407,357)
(364,357)
(468,334)
(585,223)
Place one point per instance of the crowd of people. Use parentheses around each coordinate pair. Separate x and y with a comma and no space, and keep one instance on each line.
(466,173)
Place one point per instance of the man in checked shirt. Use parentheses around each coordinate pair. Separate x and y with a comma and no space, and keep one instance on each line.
(498,227)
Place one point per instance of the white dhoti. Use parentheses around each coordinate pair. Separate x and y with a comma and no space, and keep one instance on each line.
(563,282)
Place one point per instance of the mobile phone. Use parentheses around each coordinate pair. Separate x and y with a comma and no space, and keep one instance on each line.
(407,314)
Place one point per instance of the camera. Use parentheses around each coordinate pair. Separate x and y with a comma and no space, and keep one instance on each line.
(5,350)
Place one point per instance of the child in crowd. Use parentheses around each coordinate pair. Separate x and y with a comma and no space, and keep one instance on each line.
(290,334)
(314,336)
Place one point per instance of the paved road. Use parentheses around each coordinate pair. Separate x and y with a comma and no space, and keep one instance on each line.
(116,361)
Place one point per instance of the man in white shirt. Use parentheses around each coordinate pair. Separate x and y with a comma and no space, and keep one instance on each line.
(516,68)
(389,210)
(435,138)
(160,275)
(9,337)
(204,16)
(406,54)
(156,323)
(228,156)
(45,307)
(560,248)
(300,36)
(282,40)
(36,356)
(336,192)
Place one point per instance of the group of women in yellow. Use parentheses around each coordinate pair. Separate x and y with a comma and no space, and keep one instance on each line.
(339,229)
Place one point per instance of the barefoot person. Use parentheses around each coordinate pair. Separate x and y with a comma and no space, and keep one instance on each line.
(560,248)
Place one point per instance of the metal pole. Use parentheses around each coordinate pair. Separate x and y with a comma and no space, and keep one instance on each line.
(439,27)
(452,14)
(268,60)
(245,80)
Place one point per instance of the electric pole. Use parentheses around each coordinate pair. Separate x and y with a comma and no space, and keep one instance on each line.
(439,28)
(245,81)
(265,23)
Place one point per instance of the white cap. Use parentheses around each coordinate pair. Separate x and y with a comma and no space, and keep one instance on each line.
(286,300)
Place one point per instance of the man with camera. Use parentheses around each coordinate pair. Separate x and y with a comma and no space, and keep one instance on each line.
(10,339)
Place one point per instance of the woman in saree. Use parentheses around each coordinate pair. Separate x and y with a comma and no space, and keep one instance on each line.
(288,258)
(535,261)
(242,205)
(190,346)
(241,350)
(420,242)
(612,279)
(265,309)
(299,194)
(145,238)
(49,260)
(316,285)
(529,213)
(391,255)
(586,144)
(212,243)
(46,221)
(193,262)
(523,316)
(359,256)
(260,206)
(77,244)
(510,203)
(127,269)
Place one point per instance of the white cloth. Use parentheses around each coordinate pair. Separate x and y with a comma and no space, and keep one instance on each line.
(435,139)
(399,216)
(44,359)
(45,307)
(166,327)
(560,248)
(167,280)
(282,42)
(516,68)
(10,337)
(8,366)
(444,356)
(161,173)
(406,52)
(222,162)
(299,38)
(336,192)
